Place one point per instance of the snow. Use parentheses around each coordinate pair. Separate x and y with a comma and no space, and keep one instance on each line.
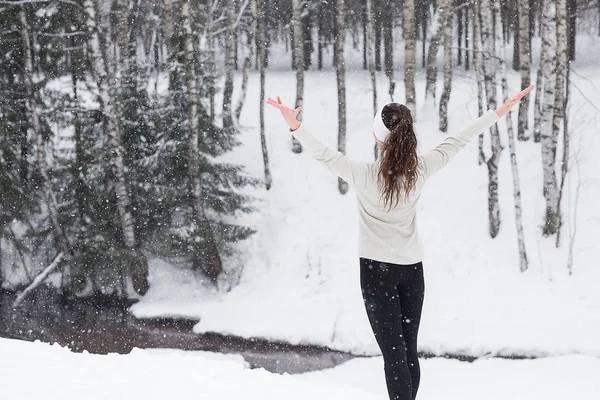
(300,270)
(58,373)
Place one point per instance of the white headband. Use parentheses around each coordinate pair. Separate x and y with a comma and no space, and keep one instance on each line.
(381,131)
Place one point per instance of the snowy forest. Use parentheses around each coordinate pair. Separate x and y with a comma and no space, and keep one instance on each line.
(139,164)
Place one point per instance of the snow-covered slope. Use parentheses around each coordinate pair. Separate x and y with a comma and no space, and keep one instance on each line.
(300,278)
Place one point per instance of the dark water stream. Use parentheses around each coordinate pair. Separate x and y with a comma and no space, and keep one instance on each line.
(103,325)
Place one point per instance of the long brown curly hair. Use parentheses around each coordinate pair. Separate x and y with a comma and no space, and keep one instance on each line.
(399,160)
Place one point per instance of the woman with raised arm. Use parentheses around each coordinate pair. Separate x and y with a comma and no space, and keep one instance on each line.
(390,251)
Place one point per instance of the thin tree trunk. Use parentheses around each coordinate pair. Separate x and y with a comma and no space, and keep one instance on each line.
(389,53)
(377,11)
(211,258)
(513,154)
(410,56)
(478,61)
(489,73)
(460,29)
(566,150)
(444,10)
(467,41)
(547,133)
(211,63)
(365,23)
(525,65)
(101,57)
(341,83)
(39,279)
(445,97)
(572,27)
(546,79)
(38,137)
(551,189)
(371,62)
(229,6)
(299,63)
(321,39)
(245,71)
(261,50)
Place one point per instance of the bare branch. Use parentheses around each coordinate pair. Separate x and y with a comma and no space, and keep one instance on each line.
(39,279)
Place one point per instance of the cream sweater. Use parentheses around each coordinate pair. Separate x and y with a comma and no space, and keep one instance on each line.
(390,235)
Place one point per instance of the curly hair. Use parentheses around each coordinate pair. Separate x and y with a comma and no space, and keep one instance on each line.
(399,160)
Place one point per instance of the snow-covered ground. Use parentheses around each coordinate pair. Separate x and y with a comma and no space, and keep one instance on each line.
(300,271)
(41,371)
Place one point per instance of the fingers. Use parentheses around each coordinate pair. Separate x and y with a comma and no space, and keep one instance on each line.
(279,100)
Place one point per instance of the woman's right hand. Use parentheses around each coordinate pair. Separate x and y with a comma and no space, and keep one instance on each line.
(502,111)
(288,114)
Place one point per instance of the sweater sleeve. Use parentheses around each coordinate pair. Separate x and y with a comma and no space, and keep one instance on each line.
(437,158)
(333,160)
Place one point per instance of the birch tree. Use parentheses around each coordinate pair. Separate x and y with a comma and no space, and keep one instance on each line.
(551,191)
(371,61)
(245,71)
(444,10)
(546,78)
(445,97)
(340,35)
(478,62)
(102,60)
(525,65)
(298,53)
(512,146)
(545,126)
(211,257)
(388,39)
(259,12)
(489,74)
(230,14)
(410,55)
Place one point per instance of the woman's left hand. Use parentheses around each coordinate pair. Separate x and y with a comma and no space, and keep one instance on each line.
(288,114)
(502,111)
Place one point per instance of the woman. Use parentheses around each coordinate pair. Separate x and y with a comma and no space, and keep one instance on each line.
(390,251)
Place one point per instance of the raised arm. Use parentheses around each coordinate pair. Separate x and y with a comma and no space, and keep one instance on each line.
(333,160)
(437,158)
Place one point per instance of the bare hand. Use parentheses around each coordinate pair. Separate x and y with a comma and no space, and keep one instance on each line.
(288,114)
(512,101)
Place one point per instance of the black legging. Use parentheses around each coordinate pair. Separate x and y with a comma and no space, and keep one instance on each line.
(393,297)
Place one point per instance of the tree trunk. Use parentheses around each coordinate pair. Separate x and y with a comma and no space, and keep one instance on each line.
(38,137)
(371,62)
(410,56)
(299,63)
(525,65)
(572,27)
(566,149)
(261,50)
(210,258)
(459,20)
(546,79)
(377,11)
(443,13)
(212,68)
(389,53)
(39,279)
(513,155)
(467,41)
(445,97)
(321,39)
(489,75)
(546,131)
(229,6)
(341,83)
(101,58)
(551,188)
(245,71)
(478,61)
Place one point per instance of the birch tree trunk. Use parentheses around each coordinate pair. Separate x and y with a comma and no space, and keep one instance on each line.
(444,10)
(478,61)
(410,55)
(229,6)
(38,137)
(101,58)
(547,71)
(371,62)
(489,74)
(210,43)
(341,83)
(298,63)
(211,258)
(261,49)
(546,131)
(512,148)
(445,97)
(389,53)
(245,70)
(525,65)
(551,188)
(566,149)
